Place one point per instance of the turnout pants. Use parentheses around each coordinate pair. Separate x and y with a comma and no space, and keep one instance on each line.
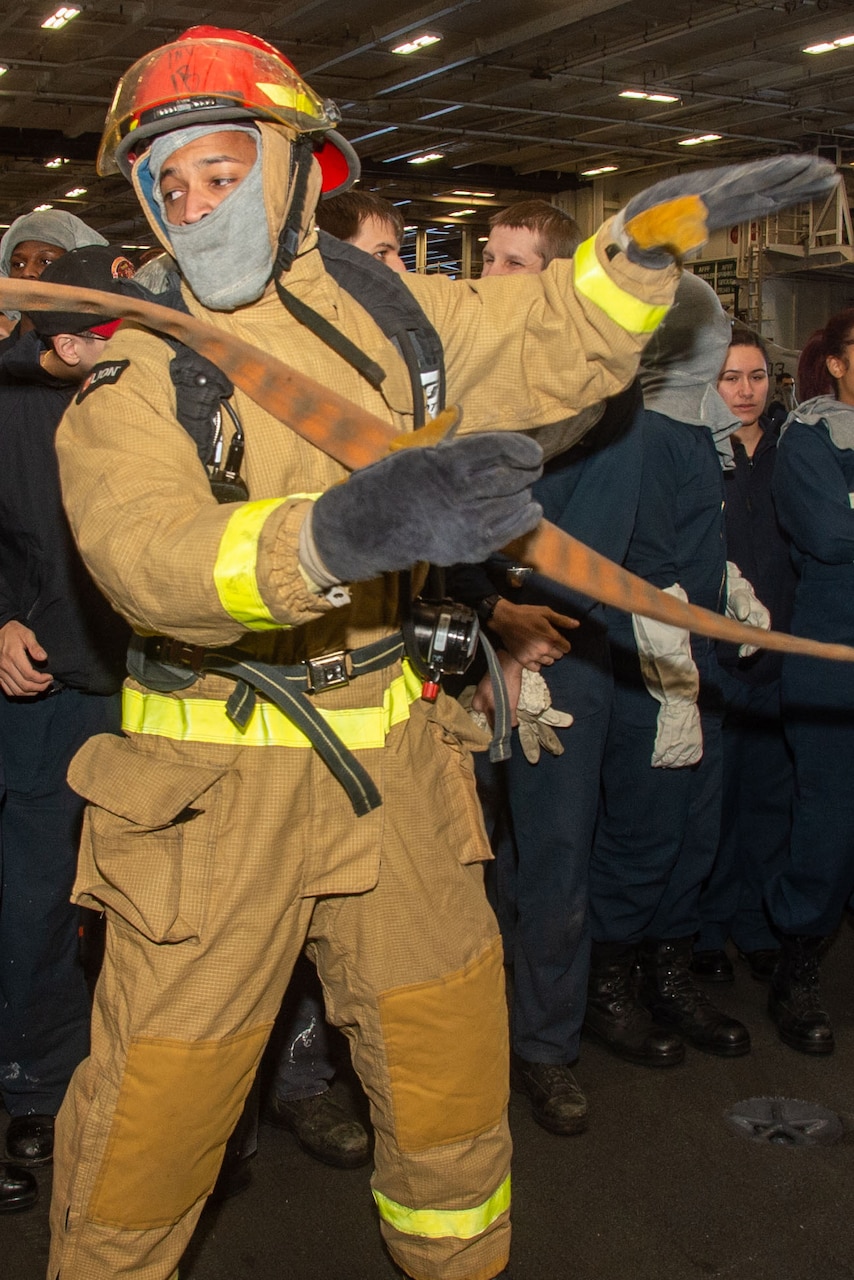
(208,912)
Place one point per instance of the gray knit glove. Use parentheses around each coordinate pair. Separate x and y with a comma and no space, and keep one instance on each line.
(452,503)
(676,215)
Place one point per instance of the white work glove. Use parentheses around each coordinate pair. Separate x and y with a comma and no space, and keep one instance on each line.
(743,604)
(538,719)
(671,676)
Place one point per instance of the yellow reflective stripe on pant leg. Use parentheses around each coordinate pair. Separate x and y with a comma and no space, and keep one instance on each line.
(463,1224)
(235,576)
(205,719)
(592,280)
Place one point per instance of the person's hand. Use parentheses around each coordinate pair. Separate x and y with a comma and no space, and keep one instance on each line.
(529,633)
(483,700)
(19,649)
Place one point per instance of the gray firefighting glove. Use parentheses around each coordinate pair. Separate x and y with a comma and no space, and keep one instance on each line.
(743,604)
(673,217)
(538,719)
(452,503)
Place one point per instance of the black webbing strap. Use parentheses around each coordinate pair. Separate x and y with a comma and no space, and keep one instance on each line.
(286,687)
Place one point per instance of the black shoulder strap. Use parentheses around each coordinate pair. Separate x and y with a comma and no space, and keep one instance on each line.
(393,308)
(200,386)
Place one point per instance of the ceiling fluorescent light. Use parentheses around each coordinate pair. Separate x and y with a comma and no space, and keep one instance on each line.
(420,42)
(75,191)
(461,213)
(56,163)
(3,68)
(649,97)
(827,46)
(703,137)
(42,208)
(431,155)
(58,20)
(594,173)
(481,195)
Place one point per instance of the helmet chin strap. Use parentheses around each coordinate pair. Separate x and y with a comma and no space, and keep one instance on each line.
(289,241)
(291,233)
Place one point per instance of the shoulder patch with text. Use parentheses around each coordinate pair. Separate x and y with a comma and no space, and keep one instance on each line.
(101,375)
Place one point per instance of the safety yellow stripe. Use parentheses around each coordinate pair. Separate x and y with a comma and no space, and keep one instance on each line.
(623,308)
(463,1224)
(205,720)
(235,569)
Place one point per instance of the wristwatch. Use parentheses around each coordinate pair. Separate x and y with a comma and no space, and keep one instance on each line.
(485,608)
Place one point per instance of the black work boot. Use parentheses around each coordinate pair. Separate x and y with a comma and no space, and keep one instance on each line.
(557,1102)
(794,1001)
(617,1018)
(669,992)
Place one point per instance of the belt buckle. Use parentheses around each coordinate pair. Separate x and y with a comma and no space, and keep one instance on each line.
(329,671)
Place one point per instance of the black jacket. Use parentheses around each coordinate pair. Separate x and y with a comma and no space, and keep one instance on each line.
(43,582)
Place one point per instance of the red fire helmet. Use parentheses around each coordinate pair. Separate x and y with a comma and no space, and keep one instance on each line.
(211,74)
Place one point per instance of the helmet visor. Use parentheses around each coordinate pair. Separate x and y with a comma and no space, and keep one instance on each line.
(194,81)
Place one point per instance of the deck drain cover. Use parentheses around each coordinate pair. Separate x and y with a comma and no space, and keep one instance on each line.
(786,1122)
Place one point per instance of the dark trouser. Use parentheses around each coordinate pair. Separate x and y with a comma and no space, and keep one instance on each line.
(756,824)
(304,1066)
(44,1004)
(541,882)
(657,832)
(809,894)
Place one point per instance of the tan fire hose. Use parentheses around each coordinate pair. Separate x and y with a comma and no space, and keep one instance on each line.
(354,437)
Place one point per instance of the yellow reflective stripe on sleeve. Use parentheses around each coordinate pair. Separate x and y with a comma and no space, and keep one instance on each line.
(462,1224)
(235,571)
(205,719)
(592,280)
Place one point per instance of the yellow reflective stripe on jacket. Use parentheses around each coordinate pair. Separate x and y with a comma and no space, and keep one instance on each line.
(463,1224)
(235,575)
(591,280)
(205,719)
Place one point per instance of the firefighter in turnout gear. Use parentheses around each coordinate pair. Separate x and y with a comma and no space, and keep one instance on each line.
(281,779)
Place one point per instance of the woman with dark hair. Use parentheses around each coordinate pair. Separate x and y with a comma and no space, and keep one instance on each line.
(757,767)
(814,492)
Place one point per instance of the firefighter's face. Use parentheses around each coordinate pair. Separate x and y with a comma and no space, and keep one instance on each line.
(198,176)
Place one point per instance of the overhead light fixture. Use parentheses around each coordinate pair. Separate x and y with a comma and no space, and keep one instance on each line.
(594,173)
(75,191)
(478,195)
(827,46)
(649,97)
(420,42)
(3,68)
(461,213)
(63,15)
(363,137)
(410,226)
(42,208)
(56,163)
(703,137)
(431,155)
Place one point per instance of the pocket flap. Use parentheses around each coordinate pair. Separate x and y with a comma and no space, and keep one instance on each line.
(111,773)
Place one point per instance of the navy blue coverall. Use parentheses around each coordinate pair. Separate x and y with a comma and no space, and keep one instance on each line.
(756,817)
(813,481)
(44,1004)
(658,829)
(543,844)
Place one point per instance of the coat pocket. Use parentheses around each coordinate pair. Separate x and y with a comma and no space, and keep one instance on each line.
(149,836)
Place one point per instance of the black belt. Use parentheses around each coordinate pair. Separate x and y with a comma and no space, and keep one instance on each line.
(288,688)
